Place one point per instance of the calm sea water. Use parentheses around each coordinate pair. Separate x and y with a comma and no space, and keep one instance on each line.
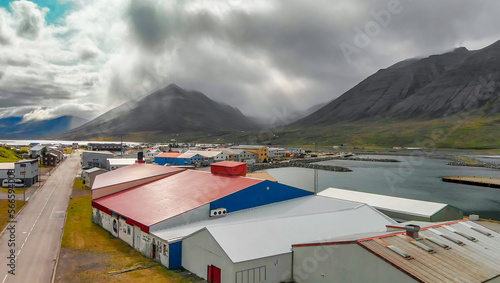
(413,177)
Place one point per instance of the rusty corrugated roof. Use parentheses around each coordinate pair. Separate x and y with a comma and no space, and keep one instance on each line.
(476,260)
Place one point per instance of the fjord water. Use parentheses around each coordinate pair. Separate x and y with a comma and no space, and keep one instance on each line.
(415,177)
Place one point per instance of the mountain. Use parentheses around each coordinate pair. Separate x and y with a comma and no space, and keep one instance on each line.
(14,128)
(429,88)
(169,111)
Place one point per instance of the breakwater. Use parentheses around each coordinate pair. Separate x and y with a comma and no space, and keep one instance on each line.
(471,162)
(302,163)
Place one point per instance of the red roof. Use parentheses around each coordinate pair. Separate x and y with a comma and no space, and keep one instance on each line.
(229,163)
(169,154)
(157,201)
(132,173)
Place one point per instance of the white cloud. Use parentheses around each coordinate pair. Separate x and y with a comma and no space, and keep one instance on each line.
(84,111)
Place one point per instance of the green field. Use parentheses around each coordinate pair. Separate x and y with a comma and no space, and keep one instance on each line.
(89,253)
(7,155)
(4,209)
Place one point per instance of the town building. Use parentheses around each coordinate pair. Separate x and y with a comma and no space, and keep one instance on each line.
(261,151)
(96,158)
(211,155)
(131,209)
(104,146)
(150,154)
(25,170)
(256,243)
(277,152)
(454,251)
(401,209)
(89,175)
(57,152)
(50,159)
(115,163)
(240,155)
(177,158)
(36,151)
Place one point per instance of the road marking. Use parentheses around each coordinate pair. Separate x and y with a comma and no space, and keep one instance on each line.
(4,278)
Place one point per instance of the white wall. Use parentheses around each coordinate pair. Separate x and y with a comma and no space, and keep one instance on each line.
(342,263)
(201,250)
(277,269)
(197,214)
(126,232)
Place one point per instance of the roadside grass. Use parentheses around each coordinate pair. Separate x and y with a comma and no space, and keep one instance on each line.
(4,209)
(17,191)
(7,155)
(89,253)
(79,185)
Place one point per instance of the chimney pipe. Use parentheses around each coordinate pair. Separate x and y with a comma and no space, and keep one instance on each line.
(140,157)
(412,230)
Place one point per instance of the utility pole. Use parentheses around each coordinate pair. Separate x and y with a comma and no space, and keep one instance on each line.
(316,170)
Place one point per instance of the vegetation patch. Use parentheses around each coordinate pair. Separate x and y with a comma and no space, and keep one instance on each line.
(8,155)
(4,211)
(91,254)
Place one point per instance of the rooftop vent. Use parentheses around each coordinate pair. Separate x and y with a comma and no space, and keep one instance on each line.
(140,157)
(482,232)
(412,230)
(423,246)
(439,243)
(470,238)
(399,251)
(456,241)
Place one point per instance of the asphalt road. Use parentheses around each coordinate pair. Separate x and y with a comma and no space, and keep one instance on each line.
(38,230)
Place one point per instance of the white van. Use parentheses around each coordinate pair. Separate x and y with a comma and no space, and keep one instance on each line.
(17,183)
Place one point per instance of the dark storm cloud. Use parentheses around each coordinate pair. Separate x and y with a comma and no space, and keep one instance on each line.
(31,18)
(147,23)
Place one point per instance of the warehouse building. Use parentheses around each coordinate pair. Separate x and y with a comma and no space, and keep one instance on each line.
(115,163)
(25,171)
(458,251)
(254,245)
(131,213)
(89,175)
(177,158)
(96,158)
(211,155)
(401,209)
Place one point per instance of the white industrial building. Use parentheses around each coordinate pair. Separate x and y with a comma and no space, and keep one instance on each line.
(115,163)
(277,152)
(458,251)
(96,158)
(401,209)
(254,245)
(25,170)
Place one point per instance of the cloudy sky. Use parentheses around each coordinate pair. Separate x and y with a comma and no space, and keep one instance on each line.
(83,57)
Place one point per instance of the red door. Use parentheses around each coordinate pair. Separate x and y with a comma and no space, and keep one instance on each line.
(214,274)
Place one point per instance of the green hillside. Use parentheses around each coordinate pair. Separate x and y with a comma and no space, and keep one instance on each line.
(7,155)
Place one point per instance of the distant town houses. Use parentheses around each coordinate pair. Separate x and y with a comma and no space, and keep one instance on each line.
(50,159)
(36,151)
(99,159)
(104,146)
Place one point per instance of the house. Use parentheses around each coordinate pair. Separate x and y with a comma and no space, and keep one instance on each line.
(261,151)
(50,159)
(175,198)
(36,151)
(115,163)
(89,175)
(211,155)
(456,251)
(401,209)
(177,158)
(25,170)
(150,153)
(277,152)
(74,145)
(57,152)
(96,158)
(104,146)
(240,155)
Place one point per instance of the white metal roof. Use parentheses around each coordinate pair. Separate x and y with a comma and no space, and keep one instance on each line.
(395,204)
(206,153)
(272,229)
(121,161)
(7,166)
(95,169)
